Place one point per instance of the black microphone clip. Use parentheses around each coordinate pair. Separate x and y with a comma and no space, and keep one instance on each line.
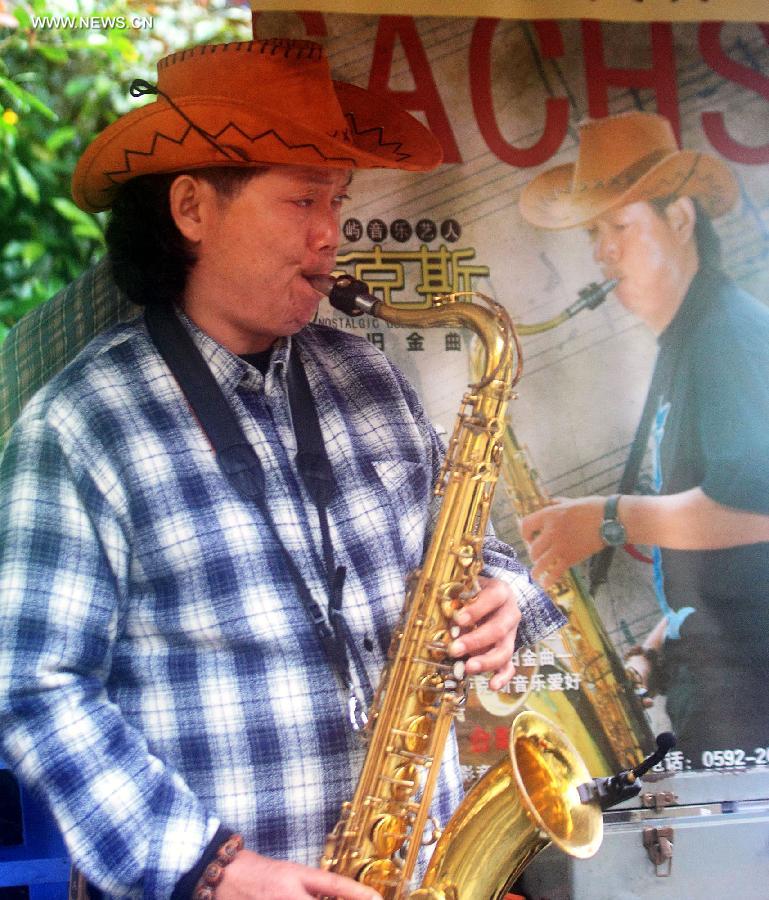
(627,784)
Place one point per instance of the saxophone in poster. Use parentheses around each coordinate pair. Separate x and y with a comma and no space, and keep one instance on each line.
(605,719)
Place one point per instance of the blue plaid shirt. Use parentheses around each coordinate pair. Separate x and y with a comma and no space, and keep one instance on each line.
(158,674)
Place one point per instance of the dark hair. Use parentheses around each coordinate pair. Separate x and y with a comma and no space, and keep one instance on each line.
(150,257)
(706,237)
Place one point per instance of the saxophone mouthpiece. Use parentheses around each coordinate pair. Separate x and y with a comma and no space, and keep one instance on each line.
(345,293)
(592,296)
(352,296)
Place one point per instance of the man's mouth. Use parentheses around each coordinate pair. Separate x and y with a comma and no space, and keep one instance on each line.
(320,282)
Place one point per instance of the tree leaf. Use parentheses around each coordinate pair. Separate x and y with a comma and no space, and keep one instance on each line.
(85,224)
(60,137)
(22,17)
(53,54)
(27,183)
(26,99)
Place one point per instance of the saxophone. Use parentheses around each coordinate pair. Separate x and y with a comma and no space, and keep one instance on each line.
(529,798)
(610,728)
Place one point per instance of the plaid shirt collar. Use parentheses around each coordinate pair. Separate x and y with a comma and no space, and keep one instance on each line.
(228,368)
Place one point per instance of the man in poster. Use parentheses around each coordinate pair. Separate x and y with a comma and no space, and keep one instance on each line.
(648,207)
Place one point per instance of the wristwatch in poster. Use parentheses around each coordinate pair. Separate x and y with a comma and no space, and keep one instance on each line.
(613,532)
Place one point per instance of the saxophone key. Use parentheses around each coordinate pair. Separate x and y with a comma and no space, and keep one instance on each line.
(429,688)
(438,644)
(403,783)
(433,835)
(388,834)
(419,758)
(439,666)
(449,606)
(465,555)
(416,733)
(471,592)
(379,874)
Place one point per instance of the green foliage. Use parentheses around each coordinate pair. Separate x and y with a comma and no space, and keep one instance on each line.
(59,87)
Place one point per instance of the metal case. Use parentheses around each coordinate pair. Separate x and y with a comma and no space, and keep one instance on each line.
(693,834)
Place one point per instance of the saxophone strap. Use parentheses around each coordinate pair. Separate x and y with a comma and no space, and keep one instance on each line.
(242,468)
(601,562)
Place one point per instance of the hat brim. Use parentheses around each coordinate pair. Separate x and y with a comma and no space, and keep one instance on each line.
(156,139)
(551,201)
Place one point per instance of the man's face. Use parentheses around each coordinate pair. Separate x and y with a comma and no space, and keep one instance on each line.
(255,251)
(641,248)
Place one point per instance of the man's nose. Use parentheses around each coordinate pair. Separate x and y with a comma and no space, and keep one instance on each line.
(326,233)
(605,249)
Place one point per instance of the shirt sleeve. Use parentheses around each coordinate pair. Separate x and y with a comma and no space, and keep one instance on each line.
(731,362)
(131,824)
(539,615)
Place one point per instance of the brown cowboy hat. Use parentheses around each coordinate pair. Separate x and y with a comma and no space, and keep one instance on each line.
(247,104)
(624,158)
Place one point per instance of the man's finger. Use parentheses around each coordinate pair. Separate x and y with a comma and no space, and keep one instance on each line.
(531,525)
(329,884)
(494,659)
(493,595)
(502,676)
(539,546)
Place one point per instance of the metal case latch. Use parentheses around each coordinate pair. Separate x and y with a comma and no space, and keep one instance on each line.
(659,847)
(658,800)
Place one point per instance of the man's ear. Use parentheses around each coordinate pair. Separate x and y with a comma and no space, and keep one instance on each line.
(681,216)
(189,200)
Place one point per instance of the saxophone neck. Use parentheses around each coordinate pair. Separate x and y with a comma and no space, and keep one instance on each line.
(487,318)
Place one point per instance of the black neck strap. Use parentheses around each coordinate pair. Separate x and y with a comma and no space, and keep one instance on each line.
(240,465)
(600,563)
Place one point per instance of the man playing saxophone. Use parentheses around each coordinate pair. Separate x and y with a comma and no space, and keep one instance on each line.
(207,517)
(647,207)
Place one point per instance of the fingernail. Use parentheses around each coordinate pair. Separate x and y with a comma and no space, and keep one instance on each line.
(457,648)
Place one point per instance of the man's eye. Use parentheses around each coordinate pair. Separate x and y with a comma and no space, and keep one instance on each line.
(305,202)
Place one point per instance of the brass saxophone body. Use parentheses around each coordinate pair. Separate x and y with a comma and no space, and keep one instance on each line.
(381,830)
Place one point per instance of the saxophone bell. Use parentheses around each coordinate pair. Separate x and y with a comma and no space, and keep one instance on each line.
(528,800)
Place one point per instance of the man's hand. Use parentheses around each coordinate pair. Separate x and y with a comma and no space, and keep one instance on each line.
(253,877)
(489,624)
(561,535)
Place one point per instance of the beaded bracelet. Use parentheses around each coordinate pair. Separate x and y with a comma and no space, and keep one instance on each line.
(214,871)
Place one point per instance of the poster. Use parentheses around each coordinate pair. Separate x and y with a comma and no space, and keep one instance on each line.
(506,98)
